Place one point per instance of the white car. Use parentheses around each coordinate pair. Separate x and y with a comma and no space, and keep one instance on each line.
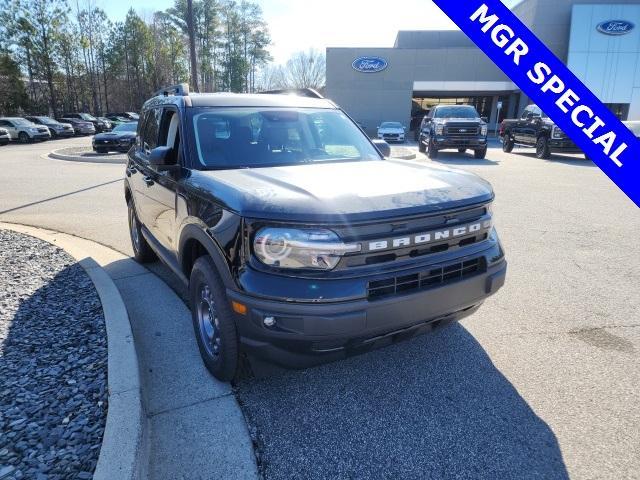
(23,130)
(5,138)
(391,131)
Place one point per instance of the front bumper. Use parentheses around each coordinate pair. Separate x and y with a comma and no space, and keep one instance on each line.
(563,146)
(307,334)
(442,142)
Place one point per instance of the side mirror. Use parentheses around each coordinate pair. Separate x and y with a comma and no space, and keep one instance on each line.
(162,157)
(484,119)
(383,147)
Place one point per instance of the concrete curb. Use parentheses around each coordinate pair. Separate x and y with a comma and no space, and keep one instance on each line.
(55,154)
(124,451)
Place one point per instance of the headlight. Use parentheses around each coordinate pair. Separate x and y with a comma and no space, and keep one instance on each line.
(317,249)
(439,129)
(33,130)
(556,132)
(483,130)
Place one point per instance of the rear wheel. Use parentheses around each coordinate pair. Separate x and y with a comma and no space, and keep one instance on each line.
(23,137)
(432,151)
(480,153)
(542,148)
(213,322)
(142,252)
(507,143)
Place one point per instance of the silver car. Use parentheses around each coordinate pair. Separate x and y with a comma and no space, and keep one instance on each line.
(5,138)
(23,130)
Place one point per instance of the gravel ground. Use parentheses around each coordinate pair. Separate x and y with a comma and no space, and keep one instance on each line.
(53,363)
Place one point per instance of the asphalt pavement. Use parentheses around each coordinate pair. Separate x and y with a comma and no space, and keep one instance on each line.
(542,382)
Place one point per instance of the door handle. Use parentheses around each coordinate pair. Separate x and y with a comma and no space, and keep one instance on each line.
(148,181)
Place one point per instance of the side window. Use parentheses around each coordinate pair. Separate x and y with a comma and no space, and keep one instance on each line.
(4,123)
(150,130)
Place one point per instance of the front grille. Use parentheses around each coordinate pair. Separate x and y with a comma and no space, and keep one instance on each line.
(462,130)
(434,277)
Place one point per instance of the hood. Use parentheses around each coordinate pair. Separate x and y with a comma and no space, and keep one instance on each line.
(470,120)
(115,135)
(338,192)
(391,130)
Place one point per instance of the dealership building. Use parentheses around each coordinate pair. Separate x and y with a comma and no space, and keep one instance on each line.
(598,40)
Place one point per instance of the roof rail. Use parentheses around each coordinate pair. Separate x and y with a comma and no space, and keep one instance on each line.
(301,92)
(180,90)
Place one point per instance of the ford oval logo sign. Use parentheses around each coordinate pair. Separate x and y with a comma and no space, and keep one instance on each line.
(615,27)
(369,64)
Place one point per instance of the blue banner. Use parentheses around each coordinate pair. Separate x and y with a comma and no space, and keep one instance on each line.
(551,85)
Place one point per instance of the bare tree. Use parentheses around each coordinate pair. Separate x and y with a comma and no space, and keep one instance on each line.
(192,45)
(306,69)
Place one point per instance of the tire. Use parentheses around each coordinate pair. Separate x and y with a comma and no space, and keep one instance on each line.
(101,150)
(142,252)
(54,135)
(462,150)
(213,322)
(23,137)
(421,146)
(480,154)
(432,151)
(507,143)
(542,148)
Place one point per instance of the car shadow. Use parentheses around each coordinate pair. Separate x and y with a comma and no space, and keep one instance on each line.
(455,158)
(577,161)
(433,407)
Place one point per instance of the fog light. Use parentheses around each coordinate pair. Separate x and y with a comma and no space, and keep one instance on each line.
(269,321)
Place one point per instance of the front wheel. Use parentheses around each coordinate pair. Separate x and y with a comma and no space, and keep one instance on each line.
(432,151)
(542,148)
(23,137)
(507,143)
(421,146)
(142,252)
(213,322)
(480,153)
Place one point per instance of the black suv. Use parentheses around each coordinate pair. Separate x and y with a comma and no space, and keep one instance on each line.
(453,127)
(299,241)
(99,125)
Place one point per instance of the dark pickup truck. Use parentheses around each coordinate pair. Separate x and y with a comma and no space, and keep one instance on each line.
(535,129)
(453,127)
(298,240)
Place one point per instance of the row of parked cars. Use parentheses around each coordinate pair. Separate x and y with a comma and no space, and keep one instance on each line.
(39,127)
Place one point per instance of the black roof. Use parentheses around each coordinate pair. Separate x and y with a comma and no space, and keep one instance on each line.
(240,100)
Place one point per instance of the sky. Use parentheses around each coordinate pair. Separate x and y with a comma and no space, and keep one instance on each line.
(300,24)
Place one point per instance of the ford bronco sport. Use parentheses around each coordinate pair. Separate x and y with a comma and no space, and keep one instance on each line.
(299,241)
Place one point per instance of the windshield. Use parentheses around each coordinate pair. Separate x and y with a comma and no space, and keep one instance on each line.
(391,125)
(126,127)
(266,137)
(22,122)
(465,111)
(47,120)
(86,116)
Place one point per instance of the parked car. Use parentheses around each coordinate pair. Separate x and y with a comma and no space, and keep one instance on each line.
(109,124)
(119,139)
(128,115)
(5,138)
(391,131)
(453,127)
(80,127)
(634,126)
(298,241)
(56,129)
(99,125)
(23,130)
(535,129)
